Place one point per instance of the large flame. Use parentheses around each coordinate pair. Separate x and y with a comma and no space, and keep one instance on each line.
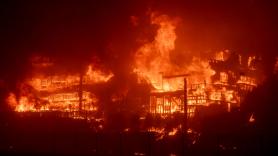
(153,61)
(58,92)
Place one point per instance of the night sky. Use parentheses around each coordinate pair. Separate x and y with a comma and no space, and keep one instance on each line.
(72,32)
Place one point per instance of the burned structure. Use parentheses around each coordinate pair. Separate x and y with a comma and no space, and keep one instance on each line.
(51,91)
(233,79)
(176,87)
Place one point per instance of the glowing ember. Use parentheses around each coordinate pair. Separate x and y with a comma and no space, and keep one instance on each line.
(173,132)
(156,130)
(252,118)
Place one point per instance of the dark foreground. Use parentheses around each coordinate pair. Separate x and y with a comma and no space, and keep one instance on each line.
(29,135)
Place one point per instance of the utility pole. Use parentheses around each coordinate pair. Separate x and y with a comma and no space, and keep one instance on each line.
(185,106)
(80,91)
(185,121)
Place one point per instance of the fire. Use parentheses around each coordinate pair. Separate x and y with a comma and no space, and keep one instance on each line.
(56,82)
(53,83)
(201,81)
(97,76)
(11,100)
(166,36)
(250,60)
(153,58)
(252,118)
(156,130)
(247,80)
(58,92)
(21,105)
(209,81)
(154,64)
(219,56)
(153,61)
(24,104)
(223,55)
(173,132)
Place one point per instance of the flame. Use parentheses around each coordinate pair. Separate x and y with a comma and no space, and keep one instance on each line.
(58,92)
(173,132)
(252,118)
(156,129)
(247,80)
(153,58)
(58,102)
(154,64)
(160,132)
(25,105)
(96,76)
(223,77)
(219,56)
(153,61)
(21,105)
(56,82)
(250,60)
(222,55)
(11,100)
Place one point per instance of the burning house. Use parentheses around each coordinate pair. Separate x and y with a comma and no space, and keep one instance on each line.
(176,87)
(235,77)
(138,78)
(230,83)
(46,91)
(225,80)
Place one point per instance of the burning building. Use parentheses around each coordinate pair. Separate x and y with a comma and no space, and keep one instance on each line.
(231,82)
(176,86)
(225,79)
(138,77)
(48,91)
